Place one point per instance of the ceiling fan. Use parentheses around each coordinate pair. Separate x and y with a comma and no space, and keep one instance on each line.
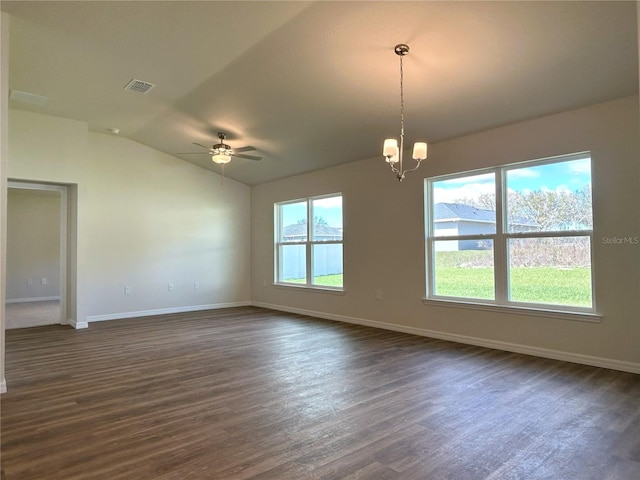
(221,153)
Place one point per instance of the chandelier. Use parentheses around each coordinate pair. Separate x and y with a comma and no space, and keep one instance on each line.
(391,151)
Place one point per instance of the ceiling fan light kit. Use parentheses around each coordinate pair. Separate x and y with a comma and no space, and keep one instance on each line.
(221,158)
(390,149)
(221,152)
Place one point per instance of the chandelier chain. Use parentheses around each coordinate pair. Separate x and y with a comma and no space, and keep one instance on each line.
(400,152)
(401,97)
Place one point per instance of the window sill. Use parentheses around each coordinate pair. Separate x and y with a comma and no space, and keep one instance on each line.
(517,310)
(312,289)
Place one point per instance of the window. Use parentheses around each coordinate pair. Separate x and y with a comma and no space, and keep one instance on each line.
(517,235)
(309,253)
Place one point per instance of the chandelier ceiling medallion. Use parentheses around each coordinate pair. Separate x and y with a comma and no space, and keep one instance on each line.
(391,151)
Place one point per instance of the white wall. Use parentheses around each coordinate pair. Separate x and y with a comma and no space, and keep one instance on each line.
(33,244)
(384,239)
(144,220)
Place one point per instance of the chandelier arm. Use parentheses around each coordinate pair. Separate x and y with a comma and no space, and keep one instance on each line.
(414,168)
(399,174)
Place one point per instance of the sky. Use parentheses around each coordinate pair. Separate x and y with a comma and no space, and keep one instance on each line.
(563,176)
(329,209)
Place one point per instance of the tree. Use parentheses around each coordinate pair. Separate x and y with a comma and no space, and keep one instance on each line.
(316,221)
(484,201)
(551,209)
(544,209)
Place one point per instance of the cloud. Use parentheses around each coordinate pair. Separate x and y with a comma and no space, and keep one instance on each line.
(523,173)
(580,167)
(485,178)
(329,202)
(471,190)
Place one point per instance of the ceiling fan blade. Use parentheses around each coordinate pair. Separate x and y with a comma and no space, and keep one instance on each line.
(248,148)
(248,157)
(192,153)
(200,145)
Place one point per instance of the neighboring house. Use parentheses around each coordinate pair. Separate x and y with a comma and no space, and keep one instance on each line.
(321,232)
(456,219)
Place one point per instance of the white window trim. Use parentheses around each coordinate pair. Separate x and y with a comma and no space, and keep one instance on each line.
(500,239)
(537,310)
(311,289)
(309,244)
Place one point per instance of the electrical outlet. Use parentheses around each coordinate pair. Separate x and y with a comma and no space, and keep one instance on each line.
(127,290)
(378,294)
(170,287)
(43,281)
(196,285)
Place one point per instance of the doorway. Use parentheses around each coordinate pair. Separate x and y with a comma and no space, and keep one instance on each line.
(37,260)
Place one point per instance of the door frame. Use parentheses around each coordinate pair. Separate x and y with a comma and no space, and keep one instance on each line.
(67,244)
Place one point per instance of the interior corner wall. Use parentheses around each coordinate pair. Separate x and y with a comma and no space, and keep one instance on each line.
(144,220)
(33,244)
(4,156)
(384,247)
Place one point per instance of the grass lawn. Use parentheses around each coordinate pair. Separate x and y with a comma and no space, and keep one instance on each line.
(465,274)
(528,284)
(465,282)
(552,285)
(329,280)
(322,281)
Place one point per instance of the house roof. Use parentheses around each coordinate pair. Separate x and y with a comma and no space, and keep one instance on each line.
(459,211)
(462,212)
(320,230)
(300,81)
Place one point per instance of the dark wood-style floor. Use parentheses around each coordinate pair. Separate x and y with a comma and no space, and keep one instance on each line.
(252,393)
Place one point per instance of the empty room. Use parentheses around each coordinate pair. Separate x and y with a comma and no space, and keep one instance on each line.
(319,240)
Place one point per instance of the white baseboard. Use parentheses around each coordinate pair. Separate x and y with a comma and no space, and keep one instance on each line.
(77,325)
(31,299)
(3,385)
(164,311)
(480,342)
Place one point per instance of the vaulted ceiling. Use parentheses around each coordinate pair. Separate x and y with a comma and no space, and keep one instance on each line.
(315,84)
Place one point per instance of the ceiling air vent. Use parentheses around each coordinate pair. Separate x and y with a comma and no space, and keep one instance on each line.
(139,86)
(27,97)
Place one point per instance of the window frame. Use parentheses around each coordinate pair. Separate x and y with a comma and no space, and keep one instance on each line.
(309,244)
(500,239)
